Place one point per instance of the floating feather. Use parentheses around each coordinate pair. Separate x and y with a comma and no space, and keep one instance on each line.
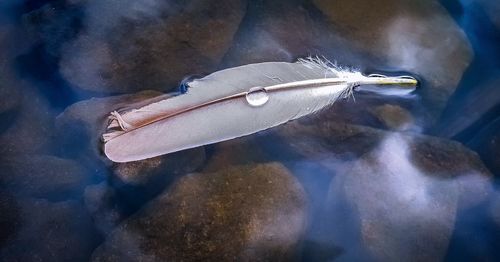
(232,103)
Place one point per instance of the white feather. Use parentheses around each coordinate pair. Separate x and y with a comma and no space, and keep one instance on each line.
(226,104)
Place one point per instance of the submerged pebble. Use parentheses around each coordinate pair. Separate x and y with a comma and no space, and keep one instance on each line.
(148,46)
(50,231)
(242,213)
(43,176)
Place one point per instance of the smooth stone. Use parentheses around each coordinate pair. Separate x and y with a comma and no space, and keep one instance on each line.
(487,144)
(136,46)
(404,214)
(243,213)
(54,23)
(43,176)
(394,196)
(10,86)
(283,31)
(100,201)
(31,129)
(437,50)
(60,231)
(9,217)
(20,106)
(394,117)
(240,151)
(145,171)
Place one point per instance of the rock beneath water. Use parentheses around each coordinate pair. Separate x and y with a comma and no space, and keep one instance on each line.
(240,151)
(31,125)
(394,117)
(50,232)
(381,30)
(242,213)
(402,190)
(43,176)
(282,31)
(100,201)
(9,216)
(145,171)
(404,213)
(54,23)
(487,144)
(12,43)
(149,45)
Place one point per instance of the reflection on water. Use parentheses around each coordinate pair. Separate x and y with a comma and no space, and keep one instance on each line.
(373,179)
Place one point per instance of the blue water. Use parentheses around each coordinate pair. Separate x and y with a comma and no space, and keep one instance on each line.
(367,198)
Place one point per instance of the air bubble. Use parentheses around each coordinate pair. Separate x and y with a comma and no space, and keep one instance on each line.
(257,96)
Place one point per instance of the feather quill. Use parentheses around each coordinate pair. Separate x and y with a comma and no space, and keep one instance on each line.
(232,103)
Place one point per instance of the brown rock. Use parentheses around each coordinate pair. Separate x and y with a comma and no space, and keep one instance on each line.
(242,213)
(100,201)
(394,117)
(49,232)
(150,45)
(240,151)
(148,170)
(9,217)
(403,191)
(43,176)
(31,129)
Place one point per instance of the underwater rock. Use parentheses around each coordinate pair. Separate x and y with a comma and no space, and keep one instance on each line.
(144,171)
(436,49)
(24,113)
(100,201)
(242,213)
(404,215)
(438,158)
(283,31)
(31,127)
(50,232)
(240,151)
(403,190)
(394,117)
(10,86)
(42,176)
(149,44)
(9,216)
(487,144)
(54,23)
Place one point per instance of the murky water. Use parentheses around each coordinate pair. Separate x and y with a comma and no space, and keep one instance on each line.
(372,178)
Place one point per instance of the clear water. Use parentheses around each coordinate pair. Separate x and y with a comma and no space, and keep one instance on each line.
(374,178)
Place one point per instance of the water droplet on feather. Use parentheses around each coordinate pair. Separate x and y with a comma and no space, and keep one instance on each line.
(257,96)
